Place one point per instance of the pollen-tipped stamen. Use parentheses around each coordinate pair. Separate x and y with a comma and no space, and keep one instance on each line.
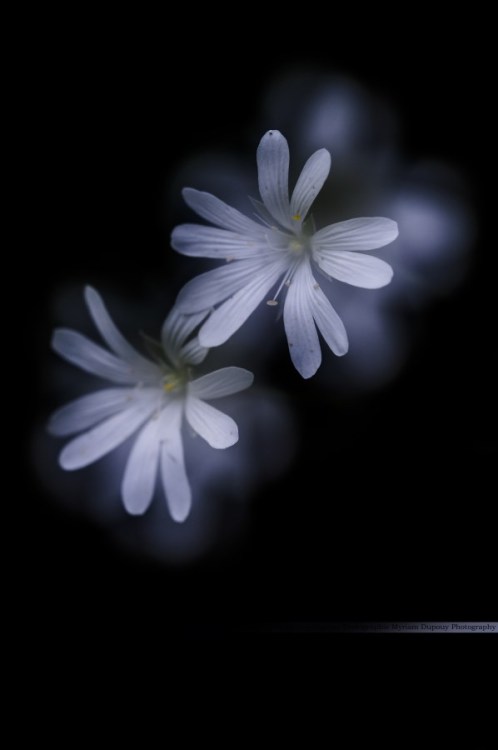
(286,281)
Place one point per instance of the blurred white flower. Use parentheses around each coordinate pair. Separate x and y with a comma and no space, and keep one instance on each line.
(152,397)
(283,245)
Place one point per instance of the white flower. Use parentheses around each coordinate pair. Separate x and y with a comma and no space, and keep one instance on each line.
(152,397)
(282,246)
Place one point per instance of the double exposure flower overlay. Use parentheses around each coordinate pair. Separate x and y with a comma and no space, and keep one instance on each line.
(281,250)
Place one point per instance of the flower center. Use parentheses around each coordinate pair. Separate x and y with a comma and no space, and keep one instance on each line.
(298,245)
(175,380)
(295,246)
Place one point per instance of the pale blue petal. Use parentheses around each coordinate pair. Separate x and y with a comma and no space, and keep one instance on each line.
(356,269)
(309,184)
(82,352)
(193,353)
(228,318)
(329,323)
(304,346)
(217,429)
(144,368)
(273,175)
(139,480)
(210,242)
(219,213)
(221,383)
(305,306)
(173,473)
(356,235)
(100,440)
(209,289)
(175,331)
(88,410)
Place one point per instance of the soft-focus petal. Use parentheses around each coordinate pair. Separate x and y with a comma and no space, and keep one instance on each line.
(88,410)
(210,288)
(217,429)
(210,242)
(193,353)
(176,329)
(219,213)
(173,474)
(139,479)
(262,212)
(329,323)
(309,184)
(102,439)
(273,175)
(305,306)
(113,337)
(221,383)
(356,234)
(228,318)
(356,269)
(83,353)
(304,346)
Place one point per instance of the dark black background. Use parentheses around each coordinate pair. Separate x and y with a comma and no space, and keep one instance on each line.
(114,108)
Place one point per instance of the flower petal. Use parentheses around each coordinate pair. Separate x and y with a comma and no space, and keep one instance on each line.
(217,429)
(356,234)
(262,212)
(175,331)
(210,288)
(219,213)
(228,318)
(193,353)
(173,474)
(83,353)
(210,242)
(221,383)
(102,439)
(273,175)
(89,410)
(329,323)
(309,184)
(139,480)
(359,270)
(304,346)
(142,366)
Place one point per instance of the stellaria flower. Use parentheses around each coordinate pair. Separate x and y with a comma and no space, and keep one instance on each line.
(283,245)
(151,397)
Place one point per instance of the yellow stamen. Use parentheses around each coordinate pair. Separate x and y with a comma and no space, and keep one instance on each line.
(170,384)
(297,217)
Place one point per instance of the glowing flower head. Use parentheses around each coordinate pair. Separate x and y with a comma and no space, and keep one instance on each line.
(149,397)
(283,245)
